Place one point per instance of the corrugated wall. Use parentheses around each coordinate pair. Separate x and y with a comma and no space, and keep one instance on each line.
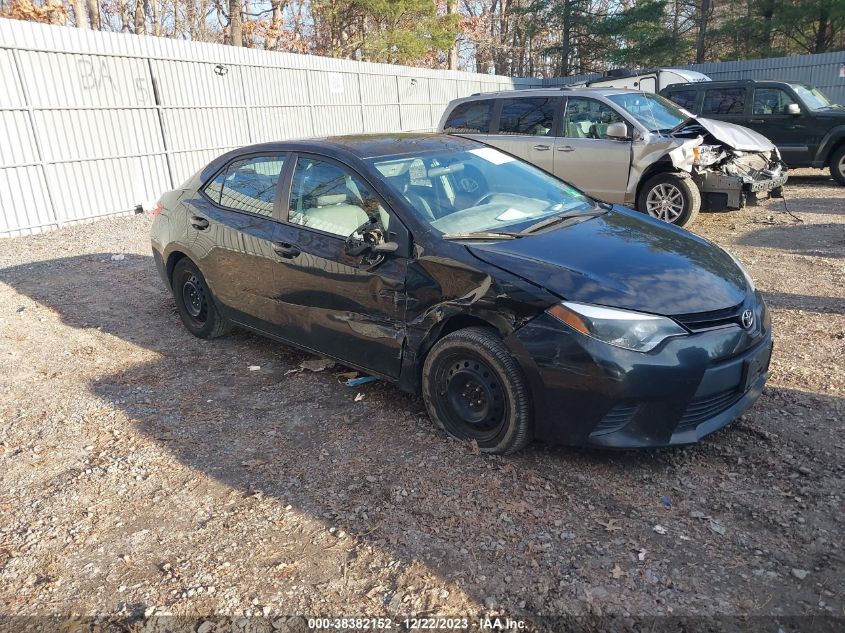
(823,71)
(95,123)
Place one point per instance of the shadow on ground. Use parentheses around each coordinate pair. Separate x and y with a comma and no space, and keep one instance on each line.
(539,532)
(820,240)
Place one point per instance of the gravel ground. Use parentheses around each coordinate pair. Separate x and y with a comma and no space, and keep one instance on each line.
(145,471)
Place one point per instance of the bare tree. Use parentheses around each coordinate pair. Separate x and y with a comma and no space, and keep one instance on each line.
(236,36)
(140,18)
(452,9)
(93,13)
(79,14)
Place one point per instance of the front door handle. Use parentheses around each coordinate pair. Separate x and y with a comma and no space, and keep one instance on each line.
(542,148)
(566,148)
(199,223)
(756,121)
(286,250)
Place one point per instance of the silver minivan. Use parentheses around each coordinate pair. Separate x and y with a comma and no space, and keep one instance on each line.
(625,147)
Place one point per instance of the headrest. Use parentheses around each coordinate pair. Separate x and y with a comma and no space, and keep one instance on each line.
(330,199)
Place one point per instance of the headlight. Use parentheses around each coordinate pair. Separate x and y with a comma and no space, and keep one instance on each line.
(622,328)
(745,273)
(704,155)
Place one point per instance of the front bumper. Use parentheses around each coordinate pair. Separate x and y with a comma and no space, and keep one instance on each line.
(721,190)
(588,393)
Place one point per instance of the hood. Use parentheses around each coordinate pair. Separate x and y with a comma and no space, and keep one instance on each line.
(626,260)
(735,136)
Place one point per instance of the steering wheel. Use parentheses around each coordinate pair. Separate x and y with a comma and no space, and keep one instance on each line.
(489,194)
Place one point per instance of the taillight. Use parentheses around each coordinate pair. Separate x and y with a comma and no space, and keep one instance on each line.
(157,209)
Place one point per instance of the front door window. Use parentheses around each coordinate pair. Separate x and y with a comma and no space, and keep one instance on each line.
(330,198)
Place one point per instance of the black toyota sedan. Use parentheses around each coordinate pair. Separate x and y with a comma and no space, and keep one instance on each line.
(517,306)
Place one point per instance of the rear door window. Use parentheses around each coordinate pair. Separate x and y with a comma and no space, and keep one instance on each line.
(530,116)
(724,101)
(249,184)
(473,116)
(684,98)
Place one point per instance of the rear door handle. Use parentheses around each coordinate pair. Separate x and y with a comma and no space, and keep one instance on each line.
(286,250)
(542,148)
(756,121)
(199,223)
(566,148)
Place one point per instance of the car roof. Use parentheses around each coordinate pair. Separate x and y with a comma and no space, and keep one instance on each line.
(550,92)
(364,146)
(349,148)
(718,83)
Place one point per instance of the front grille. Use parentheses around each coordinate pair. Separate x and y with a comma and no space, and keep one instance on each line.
(706,407)
(700,321)
(615,419)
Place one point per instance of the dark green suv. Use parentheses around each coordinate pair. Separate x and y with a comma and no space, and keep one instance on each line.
(807,128)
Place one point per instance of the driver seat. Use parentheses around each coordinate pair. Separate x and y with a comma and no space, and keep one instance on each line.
(403,183)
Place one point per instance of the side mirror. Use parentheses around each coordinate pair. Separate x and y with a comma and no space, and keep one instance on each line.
(618,131)
(793,108)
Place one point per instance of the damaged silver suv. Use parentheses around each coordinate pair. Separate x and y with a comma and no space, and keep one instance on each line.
(624,147)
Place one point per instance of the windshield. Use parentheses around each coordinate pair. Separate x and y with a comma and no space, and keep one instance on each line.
(478,190)
(653,111)
(813,98)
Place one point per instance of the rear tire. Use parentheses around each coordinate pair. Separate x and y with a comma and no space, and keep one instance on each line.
(195,303)
(837,165)
(474,390)
(671,197)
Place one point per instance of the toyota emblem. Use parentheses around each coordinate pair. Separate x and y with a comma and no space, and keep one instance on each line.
(747,319)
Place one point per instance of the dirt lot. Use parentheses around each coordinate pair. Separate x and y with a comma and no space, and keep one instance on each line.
(145,471)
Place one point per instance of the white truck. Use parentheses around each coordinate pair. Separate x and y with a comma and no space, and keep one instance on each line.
(647,80)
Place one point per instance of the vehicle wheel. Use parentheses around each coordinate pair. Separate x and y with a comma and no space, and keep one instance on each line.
(194,302)
(837,165)
(670,197)
(474,389)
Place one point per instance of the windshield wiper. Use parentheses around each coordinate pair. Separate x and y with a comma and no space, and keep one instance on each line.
(680,125)
(482,235)
(557,219)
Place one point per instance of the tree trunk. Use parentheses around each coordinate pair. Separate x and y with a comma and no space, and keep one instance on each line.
(140,18)
(703,19)
(94,14)
(79,14)
(824,24)
(566,39)
(272,38)
(156,15)
(452,9)
(236,37)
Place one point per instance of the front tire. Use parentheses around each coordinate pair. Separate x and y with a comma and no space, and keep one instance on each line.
(671,197)
(474,390)
(194,302)
(837,165)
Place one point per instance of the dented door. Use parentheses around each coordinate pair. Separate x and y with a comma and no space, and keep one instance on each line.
(335,302)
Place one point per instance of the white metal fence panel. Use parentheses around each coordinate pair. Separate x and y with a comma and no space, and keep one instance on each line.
(95,123)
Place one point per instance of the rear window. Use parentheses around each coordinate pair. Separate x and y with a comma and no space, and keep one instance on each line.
(532,116)
(684,98)
(724,101)
(473,116)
